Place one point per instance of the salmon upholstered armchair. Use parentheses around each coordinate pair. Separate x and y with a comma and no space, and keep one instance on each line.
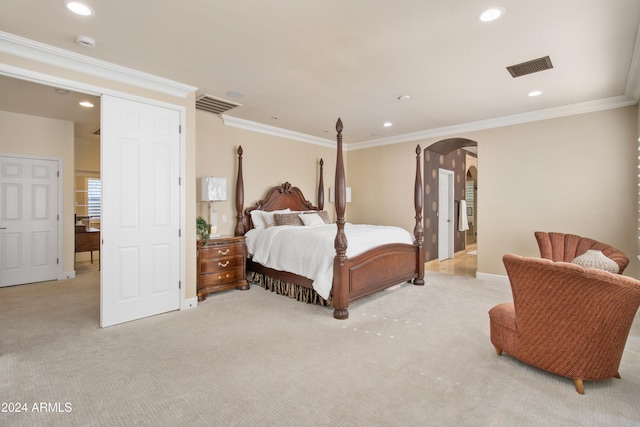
(565,319)
(566,247)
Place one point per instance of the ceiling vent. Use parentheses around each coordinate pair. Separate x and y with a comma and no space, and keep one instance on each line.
(214,105)
(530,67)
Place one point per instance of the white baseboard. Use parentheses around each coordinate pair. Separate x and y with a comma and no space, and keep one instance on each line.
(501,278)
(188,303)
(67,275)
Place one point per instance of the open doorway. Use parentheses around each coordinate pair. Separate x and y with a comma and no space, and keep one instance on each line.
(457,156)
(148,134)
(471,190)
(446,214)
(44,123)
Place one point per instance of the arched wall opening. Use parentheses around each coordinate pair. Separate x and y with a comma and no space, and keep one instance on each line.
(458,155)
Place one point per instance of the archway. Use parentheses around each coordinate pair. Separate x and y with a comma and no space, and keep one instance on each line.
(458,155)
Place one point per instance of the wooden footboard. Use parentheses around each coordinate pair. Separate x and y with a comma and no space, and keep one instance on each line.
(380,268)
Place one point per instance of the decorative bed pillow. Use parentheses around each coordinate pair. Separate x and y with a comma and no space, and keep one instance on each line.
(311,219)
(596,259)
(325,217)
(287,219)
(268,217)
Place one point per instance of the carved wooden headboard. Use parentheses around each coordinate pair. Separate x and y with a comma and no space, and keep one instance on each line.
(280,197)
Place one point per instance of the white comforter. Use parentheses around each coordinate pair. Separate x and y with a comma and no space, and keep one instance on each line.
(308,250)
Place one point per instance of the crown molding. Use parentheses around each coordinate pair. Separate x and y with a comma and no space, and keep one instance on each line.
(275,131)
(514,119)
(50,55)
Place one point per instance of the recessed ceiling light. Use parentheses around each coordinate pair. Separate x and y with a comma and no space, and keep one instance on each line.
(86,104)
(78,8)
(491,14)
(387,124)
(535,93)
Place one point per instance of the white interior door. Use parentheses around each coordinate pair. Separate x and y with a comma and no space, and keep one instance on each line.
(140,156)
(445,214)
(28,220)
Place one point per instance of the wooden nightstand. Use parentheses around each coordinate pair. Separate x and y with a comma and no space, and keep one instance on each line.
(221,265)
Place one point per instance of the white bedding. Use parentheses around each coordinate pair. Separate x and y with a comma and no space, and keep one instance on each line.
(308,251)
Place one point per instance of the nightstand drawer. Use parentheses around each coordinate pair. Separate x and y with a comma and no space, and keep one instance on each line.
(221,251)
(220,264)
(222,277)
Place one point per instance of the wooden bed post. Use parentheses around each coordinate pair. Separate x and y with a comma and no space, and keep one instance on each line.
(418,230)
(321,187)
(239,197)
(340,271)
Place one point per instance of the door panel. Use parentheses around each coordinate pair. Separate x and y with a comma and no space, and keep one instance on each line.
(28,220)
(140,224)
(445,214)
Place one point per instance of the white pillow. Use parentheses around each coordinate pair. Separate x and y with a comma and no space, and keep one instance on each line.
(256,219)
(311,219)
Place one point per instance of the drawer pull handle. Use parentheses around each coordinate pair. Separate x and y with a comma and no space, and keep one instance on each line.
(223,264)
(226,251)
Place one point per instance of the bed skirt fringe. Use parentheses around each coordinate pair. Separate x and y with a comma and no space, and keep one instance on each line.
(297,292)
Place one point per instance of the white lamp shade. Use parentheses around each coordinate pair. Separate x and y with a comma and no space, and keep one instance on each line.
(214,189)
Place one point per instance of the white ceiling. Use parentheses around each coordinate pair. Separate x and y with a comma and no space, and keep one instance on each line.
(308,62)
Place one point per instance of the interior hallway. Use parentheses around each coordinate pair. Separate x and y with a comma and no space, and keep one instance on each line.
(464,263)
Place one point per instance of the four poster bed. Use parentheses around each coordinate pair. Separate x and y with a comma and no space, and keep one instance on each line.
(289,260)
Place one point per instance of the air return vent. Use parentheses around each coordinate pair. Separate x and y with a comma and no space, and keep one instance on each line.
(214,105)
(530,67)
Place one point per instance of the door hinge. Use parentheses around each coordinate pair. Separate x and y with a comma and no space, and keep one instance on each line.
(179,284)
(179,128)
(179,180)
(179,232)
(58,217)
(57,260)
(58,174)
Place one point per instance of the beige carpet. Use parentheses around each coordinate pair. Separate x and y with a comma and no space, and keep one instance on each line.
(414,356)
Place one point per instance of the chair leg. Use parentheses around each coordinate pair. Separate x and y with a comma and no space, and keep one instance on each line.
(579,385)
(498,351)
(617,375)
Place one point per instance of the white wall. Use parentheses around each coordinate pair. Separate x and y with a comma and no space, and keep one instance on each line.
(268,161)
(575,174)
